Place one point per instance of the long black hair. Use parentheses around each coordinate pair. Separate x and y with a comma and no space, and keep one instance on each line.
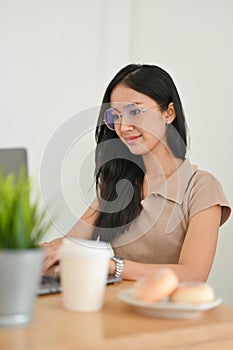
(119,174)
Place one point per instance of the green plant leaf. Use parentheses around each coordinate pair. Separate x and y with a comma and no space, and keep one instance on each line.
(22,221)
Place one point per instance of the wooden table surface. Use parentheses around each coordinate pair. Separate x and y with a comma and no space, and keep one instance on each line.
(117,326)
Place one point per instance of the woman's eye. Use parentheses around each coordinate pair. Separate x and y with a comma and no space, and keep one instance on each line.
(134,112)
(116,117)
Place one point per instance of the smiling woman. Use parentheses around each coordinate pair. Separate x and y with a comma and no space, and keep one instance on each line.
(153,206)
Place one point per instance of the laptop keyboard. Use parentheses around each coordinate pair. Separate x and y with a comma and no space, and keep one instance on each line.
(52,284)
(49,285)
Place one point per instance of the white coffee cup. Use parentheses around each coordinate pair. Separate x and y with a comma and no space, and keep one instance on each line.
(84,270)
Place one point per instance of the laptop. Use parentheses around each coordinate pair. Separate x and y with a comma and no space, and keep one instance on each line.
(52,284)
(13,160)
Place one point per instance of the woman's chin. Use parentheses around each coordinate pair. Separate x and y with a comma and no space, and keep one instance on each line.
(137,149)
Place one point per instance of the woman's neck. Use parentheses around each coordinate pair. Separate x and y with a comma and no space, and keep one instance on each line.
(158,168)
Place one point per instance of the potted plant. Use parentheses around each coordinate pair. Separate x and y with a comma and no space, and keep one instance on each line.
(22,225)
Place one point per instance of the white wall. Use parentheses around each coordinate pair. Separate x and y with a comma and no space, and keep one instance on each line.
(56,57)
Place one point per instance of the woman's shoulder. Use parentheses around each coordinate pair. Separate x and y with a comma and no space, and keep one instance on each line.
(207,190)
(203,179)
(205,175)
(194,175)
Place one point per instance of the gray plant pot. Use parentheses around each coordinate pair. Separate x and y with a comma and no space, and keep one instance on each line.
(19,277)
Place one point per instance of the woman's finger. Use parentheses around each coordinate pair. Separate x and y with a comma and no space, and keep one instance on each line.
(51,257)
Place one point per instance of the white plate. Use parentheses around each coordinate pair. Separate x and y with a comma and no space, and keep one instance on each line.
(167,309)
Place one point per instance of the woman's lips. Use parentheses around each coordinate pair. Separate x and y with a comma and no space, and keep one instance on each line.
(132,139)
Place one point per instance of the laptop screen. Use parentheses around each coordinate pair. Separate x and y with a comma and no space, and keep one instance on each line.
(12,160)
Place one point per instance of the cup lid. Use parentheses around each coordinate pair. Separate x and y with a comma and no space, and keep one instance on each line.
(85,248)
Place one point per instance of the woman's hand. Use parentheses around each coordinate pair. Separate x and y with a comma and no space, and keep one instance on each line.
(82,229)
(52,257)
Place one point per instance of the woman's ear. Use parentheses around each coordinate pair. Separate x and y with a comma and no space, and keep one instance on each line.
(170,113)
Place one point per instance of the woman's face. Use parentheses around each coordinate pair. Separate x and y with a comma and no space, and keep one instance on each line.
(148,134)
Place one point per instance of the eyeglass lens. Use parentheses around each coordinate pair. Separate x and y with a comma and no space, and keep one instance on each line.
(132,115)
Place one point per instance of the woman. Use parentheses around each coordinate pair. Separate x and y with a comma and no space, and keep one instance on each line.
(153,206)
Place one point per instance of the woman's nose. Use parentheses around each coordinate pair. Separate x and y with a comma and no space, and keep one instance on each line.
(124,125)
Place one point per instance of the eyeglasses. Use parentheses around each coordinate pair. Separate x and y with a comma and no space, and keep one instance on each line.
(132,112)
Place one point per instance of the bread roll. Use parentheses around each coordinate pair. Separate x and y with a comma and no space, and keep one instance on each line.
(193,292)
(155,285)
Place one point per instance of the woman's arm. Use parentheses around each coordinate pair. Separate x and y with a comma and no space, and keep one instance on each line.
(82,229)
(197,253)
(85,225)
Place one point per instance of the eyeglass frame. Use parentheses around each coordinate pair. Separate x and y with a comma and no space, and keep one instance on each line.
(142,109)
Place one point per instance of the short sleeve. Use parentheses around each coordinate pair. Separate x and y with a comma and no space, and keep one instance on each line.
(206,191)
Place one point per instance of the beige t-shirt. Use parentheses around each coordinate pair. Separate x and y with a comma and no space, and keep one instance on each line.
(158,233)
